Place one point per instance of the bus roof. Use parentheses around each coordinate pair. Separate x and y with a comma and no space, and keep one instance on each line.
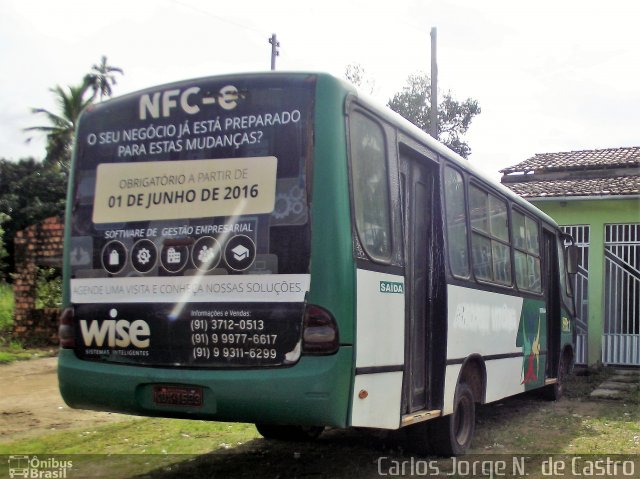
(422,137)
(383,111)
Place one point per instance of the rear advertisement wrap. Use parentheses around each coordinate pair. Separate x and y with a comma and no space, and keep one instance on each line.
(190,236)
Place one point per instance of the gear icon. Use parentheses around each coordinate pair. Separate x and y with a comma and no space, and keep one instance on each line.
(144,256)
(282,206)
(296,193)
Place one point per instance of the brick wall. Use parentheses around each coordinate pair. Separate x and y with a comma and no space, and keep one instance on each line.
(38,245)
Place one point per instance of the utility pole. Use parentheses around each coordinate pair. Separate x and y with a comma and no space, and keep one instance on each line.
(275,44)
(433,117)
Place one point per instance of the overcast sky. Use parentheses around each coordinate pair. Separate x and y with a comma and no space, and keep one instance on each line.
(549,75)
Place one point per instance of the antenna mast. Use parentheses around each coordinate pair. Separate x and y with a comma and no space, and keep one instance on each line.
(275,44)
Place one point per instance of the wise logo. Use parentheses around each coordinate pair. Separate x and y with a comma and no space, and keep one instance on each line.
(114,332)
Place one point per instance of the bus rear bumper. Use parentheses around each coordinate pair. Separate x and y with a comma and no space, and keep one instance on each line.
(314,392)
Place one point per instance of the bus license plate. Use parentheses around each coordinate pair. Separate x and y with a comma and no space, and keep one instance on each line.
(178,396)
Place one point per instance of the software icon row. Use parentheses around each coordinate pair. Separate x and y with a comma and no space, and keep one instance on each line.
(204,254)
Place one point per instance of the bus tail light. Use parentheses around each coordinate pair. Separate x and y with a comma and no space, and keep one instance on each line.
(65,330)
(320,331)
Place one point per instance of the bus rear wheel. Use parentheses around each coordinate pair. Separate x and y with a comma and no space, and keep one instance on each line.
(289,433)
(452,434)
(554,391)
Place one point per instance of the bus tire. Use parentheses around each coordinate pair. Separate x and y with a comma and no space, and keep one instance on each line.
(289,433)
(452,434)
(555,391)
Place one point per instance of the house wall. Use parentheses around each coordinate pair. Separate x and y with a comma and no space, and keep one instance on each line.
(595,213)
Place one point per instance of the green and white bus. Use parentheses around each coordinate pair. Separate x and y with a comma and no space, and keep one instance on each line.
(274,248)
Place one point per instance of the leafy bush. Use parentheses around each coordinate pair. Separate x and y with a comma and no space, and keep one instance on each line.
(48,288)
(3,248)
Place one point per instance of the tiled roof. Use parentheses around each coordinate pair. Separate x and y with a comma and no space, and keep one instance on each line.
(615,186)
(608,172)
(585,159)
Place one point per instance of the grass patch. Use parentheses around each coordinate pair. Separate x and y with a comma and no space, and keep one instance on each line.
(141,436)
(14,351)
(574,425)
(569,426)
(6,309)
(10,349)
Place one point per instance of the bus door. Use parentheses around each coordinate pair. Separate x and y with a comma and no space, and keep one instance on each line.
(417,177)
(551,287)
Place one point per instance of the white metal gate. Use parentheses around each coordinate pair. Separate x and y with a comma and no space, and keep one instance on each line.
(621,340)
(580,234)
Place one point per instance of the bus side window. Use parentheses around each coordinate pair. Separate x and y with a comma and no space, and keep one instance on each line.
(565,280)
(490,237)
(370,182)
(526,252)
(456,222)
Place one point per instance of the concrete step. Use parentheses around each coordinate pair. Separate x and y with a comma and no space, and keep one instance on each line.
(617,385)
(626,378)
(602,393)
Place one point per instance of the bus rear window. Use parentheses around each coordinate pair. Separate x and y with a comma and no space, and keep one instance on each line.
(189,207)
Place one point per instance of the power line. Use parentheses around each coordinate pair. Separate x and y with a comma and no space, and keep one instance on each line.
(275,44)
(217,17)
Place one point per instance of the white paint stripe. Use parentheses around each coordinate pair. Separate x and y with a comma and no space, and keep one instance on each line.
(481,322)
(376,400)
(380,319)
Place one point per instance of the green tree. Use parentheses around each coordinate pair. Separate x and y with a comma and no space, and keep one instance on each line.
(61,126)
(71,101)
(30,191)
(102,77)
(356,75)
(454,117)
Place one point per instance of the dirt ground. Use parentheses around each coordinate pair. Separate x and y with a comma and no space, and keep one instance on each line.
(30,403)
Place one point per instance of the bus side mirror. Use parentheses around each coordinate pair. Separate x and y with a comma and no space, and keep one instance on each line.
(572,259)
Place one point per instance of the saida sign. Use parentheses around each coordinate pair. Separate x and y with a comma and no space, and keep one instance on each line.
(391,287)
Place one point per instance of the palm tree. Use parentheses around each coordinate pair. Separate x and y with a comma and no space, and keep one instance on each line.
(102,77)
(71,101)
(61,128)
